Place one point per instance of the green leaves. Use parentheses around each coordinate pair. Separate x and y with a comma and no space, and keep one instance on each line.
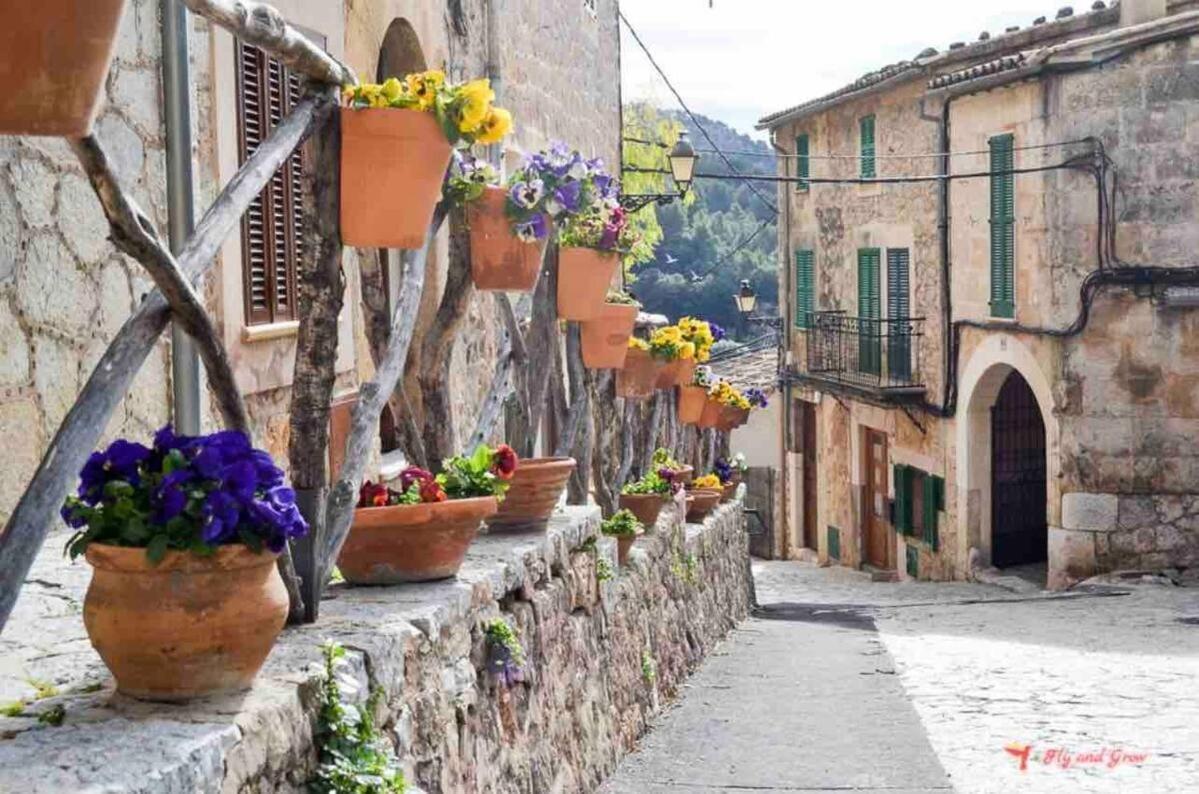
(157,548)
(622,523)
(468,477)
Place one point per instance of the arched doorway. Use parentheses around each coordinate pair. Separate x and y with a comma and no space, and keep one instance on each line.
(1019,531)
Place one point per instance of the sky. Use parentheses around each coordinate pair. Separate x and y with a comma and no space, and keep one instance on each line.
(742,59)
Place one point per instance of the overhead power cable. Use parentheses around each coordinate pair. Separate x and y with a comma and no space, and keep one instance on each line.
(927,155)
(691,115)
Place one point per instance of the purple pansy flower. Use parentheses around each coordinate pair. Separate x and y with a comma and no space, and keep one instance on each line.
(536,228)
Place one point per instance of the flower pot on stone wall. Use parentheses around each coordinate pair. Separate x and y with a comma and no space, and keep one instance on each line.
(412,543)
(533,493)
(393,162)
(691,403)
(624,544)
(727,492)
(499,260)
(583,278)
(700,503)
(685,474)
(710,416)
(646,506)
(637,378)
(187,627)
(54,58)
(606,337)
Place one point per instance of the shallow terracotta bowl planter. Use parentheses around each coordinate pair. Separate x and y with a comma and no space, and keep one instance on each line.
(645,506)
(638,376)
(691,403)
(533,494)
(499,260)
(700,502)
(583,278)
(412,543)
(606,337)
(392,165)
(685,474)
(187,627)
(54,57)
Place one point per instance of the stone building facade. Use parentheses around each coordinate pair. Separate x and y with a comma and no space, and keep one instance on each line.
(64,290)
(1012,378)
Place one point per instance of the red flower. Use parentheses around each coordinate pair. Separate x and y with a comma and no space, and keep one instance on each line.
(414,474)
(504,462)
(430,491)
(372,494)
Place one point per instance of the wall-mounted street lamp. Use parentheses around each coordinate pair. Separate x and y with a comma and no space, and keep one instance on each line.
(746,298)
(682,159)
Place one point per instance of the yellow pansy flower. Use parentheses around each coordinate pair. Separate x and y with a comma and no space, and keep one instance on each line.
(477,97)
(497,124)
(392,89)
(636,343)
(687,351)
(707,481)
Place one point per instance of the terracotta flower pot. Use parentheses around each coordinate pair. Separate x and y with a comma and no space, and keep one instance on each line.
(684,373)
(700,503)
(646,506)
(392,165)
(710,417)
(624,544)
(731,417)
(188,627)
(412,543)
(668,373)
(727,492)
(691,403)
(638,376)
(499,260)
(532,494)
(606,338)
(685,474)
(54,57)
(583,278)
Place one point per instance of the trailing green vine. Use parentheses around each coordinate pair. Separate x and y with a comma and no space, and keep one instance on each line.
(355,759)
(506,656)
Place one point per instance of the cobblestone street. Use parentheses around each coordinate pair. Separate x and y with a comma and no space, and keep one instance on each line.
(843,684)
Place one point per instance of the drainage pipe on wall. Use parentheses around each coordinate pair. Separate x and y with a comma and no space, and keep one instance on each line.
(176,89)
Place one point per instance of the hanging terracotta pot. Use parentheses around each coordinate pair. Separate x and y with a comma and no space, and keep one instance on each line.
(668,373)
(727,492)
(646,506)
(700,503)
(583,278)
(54,57)
(499,260)
(710,416)
(606,338)
(731,417)
(393,162)
(624,544)
(691,403)
(532,495)
(412,543)
(187,627)
(637,378)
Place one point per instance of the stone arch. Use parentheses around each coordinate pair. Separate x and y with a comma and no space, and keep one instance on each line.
(400,52)
(989,366)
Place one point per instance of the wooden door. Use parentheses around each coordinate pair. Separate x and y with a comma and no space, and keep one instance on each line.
(876,524)
(1019,529)
(808,424)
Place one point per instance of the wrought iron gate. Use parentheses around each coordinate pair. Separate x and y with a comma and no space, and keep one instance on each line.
(1019,532)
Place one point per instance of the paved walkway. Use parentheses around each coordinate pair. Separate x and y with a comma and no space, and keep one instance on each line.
(842,684)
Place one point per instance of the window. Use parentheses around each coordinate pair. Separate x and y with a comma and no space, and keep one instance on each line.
(866,140)
(899,331)
(869,347)
(805,294)
(272,228)
(919,497)
(1003,233)
(802,164)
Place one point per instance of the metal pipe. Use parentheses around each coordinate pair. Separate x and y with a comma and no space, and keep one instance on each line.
(176,88)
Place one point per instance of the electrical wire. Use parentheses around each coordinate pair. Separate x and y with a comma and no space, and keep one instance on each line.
(687,110)
(1073,163)
(920,156)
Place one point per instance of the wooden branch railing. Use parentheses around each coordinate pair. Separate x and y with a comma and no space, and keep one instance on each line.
(80,430)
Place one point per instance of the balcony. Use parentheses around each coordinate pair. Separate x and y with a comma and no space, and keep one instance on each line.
(875,359)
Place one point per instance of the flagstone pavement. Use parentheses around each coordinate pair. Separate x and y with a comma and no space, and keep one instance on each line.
(843,684)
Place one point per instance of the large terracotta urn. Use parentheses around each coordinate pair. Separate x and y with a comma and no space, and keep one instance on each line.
(54,57)
(645,506)
(412,543)
(606,337)
(499,260)
(533,494)
(393,162)
(187,627)
(701,502)
(638,376)
(691,403)
(583,278)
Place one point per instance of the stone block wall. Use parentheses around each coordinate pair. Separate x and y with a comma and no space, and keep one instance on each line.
(587,696)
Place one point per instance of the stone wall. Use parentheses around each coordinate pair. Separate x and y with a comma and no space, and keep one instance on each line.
(585,701)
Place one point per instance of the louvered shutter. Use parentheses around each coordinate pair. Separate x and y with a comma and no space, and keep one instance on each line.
(899,331)
(802,164)
(866,135)
(934,502)
(253,125)
(1003,234)
(869,343)
(902,499)
(804,287)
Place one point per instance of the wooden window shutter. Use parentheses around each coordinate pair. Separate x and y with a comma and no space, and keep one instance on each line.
(805,299)
(932,505)
(272,228)
(866,136)
(1003,234)
(802,164)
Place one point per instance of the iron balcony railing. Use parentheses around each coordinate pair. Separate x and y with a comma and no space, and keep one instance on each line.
(863,351)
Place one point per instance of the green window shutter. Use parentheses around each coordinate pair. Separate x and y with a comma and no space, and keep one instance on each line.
(900,473)
(930,511)
(1003,231)
(802,164)
(912,557)
(805,293)
(866,136)
(869,340)
(899,342)
(834,543)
